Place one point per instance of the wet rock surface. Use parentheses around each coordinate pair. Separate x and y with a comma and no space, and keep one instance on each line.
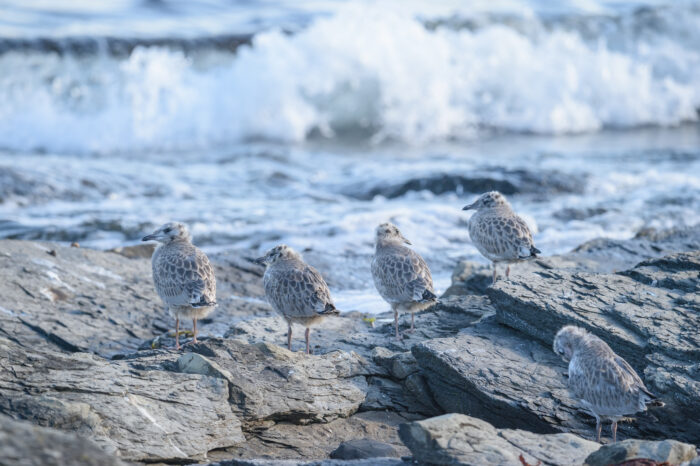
(668,451)
(460,439)
(134,409)
(25,444)
(363,448)
(479,181)
(85,348)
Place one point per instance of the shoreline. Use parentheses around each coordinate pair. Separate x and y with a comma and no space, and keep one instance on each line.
(84,334)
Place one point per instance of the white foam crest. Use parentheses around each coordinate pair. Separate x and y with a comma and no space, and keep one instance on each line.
(369,69)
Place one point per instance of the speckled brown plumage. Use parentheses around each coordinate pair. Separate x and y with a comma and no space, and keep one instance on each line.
(604,382)
(400,275)
(183,276)
(295,290)
(498,233)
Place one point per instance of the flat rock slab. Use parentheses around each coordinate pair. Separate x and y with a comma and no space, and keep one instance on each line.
(458,439)
(270,383)
(24,444)
(669,451)
(137,413)
(80,300)
(288,441)
(362,333)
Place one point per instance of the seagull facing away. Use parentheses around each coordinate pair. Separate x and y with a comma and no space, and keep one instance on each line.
(295,290)
(604,383)
(401,276)
(498,233)
(183,276)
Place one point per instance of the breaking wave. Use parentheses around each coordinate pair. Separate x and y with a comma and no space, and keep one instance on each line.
(368,72)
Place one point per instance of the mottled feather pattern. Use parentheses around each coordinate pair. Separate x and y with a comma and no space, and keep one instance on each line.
(401,275)
(296,290)
(183,275)
(605,381)
(501,235)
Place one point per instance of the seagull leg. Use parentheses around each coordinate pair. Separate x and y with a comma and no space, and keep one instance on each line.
(194,330)
(289,336)
(598,428)
(177,333)
(308,330)
(413,318)
(396,322)
(614,431)
(507,271)
(494,274)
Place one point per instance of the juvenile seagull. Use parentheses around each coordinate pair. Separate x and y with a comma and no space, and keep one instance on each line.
(183,276)
(401,276)
(604,383)
(498,233)
(296,290)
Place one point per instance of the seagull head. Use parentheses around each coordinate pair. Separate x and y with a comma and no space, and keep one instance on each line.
(389,233)
(488,200)
(278,253)
(567,341)
(171,231)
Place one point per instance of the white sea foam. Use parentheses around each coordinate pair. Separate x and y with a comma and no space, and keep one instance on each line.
(370,70)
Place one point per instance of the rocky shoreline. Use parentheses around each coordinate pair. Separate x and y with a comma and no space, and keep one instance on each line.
(87,368)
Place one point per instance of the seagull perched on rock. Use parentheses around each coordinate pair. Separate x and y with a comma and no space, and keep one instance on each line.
(498,233)
(401,276)
(604,382)
(183,276)
(295,290)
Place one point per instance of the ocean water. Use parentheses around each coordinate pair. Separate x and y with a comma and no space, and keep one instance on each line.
(311,122)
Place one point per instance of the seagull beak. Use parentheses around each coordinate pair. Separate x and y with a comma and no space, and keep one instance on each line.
(469,207)
(260,260)
(406,241)
(149,237)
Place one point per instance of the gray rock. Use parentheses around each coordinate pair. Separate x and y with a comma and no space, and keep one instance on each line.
(477,182)
(492,373)
(137,412)
(269,383)
(619,309)
(362,462)
(625,313)
(78,300)
(669,451)
(24,444)
(676,272)
(285,440)
(363,448)
(458,439)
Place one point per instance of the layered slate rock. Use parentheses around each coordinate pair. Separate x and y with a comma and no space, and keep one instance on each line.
(633,317)
(25,444)
(136,412)
(458,439)
(80,300)
(666,451)
(492,373)
(269,383)
(649,315)
(393,378)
